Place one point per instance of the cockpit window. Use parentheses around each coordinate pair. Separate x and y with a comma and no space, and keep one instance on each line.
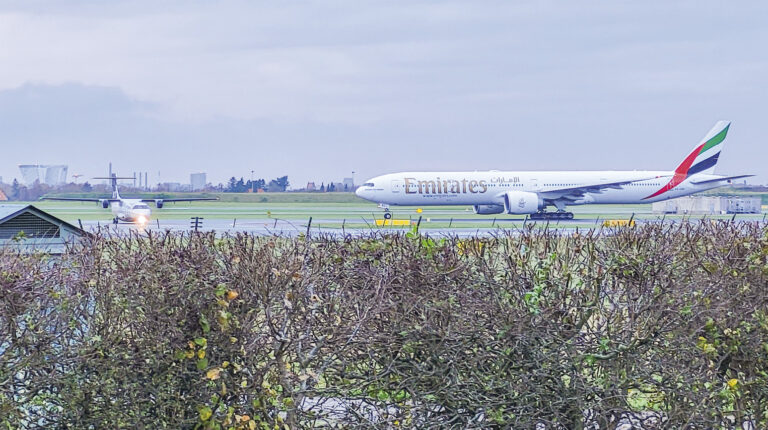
(368,184)
(141,206)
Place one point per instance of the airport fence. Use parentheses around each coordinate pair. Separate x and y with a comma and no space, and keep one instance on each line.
(654,326)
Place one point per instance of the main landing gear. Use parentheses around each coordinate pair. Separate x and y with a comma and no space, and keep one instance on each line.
(551,215)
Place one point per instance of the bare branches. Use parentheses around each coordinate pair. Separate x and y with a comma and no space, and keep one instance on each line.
(664,325)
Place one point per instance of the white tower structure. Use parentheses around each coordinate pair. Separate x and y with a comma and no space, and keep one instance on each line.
(47,174)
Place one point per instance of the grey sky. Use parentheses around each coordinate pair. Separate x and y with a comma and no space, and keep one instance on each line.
(315,90)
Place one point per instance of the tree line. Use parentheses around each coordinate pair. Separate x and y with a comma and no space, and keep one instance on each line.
(18,191)
(235,185)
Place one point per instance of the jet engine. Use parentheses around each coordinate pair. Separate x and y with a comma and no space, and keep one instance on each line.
(522,202)
(104,203)
(488,209)
(159,203)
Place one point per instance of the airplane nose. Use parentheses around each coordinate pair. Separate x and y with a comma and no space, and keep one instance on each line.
(359,192)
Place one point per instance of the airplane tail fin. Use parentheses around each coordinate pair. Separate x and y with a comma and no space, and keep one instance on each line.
(704,156)
(113,181)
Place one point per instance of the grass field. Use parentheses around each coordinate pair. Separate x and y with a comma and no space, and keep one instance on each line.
(334,210)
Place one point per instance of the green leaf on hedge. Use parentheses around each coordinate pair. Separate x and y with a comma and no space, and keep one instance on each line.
(221,289)
(202,363)
(204,324)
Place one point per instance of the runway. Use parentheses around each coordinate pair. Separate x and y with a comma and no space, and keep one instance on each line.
(461,227)
(358,218)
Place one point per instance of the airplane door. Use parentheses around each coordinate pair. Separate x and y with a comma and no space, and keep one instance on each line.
(397,186)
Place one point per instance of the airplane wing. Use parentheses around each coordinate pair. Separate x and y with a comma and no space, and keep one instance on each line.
(577,192)
(76,199)
(192,199)
(724,178)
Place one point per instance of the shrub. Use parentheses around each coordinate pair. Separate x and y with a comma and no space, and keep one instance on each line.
(661,325)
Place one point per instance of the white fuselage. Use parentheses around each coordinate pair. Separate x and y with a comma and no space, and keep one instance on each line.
(131,210)
(489,188)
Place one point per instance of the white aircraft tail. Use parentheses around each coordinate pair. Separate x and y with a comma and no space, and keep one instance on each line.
(702,159)
(113,182)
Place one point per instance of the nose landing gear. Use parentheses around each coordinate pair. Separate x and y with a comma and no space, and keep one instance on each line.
(387,214)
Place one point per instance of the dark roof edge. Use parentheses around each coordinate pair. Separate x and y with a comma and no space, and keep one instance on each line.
(45,215)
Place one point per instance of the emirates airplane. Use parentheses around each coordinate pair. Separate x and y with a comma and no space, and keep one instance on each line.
(128,210)
(530,193)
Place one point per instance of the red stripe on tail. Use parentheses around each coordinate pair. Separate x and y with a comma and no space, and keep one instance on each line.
(681,173)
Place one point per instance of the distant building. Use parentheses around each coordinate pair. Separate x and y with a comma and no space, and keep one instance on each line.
(30,229)
(174,187)
(311,186)
(349,184)
(198,181)
(709,205)
(45,174)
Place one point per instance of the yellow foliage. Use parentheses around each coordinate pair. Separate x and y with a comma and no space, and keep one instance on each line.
(732,383)
(464,246)
(205,413)
(618,223)
(222,317)
(201,353)
(232,295)
(705,346)
(213,374)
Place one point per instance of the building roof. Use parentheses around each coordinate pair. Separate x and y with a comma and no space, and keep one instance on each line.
(8,211)
(31,229)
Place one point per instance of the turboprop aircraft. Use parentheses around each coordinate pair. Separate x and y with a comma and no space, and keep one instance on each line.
(530,193)
(128,210)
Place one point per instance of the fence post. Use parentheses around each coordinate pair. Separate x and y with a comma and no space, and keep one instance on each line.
(196,222)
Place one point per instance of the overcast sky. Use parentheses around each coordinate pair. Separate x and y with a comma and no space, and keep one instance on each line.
(316,90)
